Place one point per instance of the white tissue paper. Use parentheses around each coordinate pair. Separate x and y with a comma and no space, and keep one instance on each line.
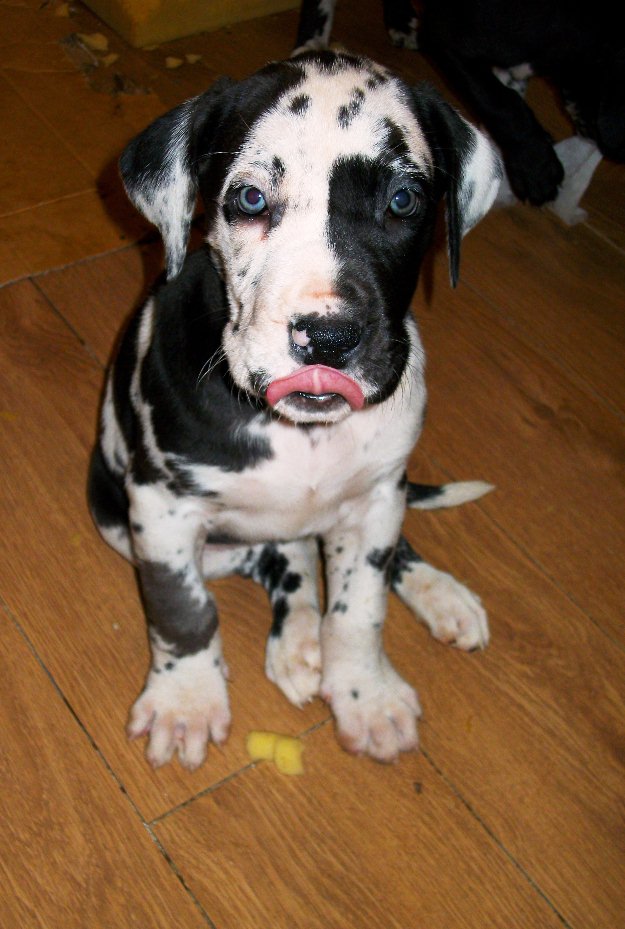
(579,157)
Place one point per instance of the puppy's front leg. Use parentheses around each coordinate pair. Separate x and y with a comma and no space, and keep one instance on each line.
(375,709)
(185,701)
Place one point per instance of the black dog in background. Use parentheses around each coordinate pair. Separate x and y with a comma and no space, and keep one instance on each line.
(481,46)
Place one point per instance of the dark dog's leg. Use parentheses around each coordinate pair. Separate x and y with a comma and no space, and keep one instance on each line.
(533,168)
(452,613)
(315,23)
(375,709)
(400,20)
(184,704)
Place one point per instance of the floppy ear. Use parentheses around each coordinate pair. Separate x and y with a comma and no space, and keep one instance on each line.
(160,170)
(467,167)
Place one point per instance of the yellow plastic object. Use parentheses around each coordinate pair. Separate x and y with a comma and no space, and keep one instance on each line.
(261,746)
(288,756)
(284,750)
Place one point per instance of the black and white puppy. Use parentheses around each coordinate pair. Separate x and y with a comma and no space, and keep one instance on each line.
(268,396)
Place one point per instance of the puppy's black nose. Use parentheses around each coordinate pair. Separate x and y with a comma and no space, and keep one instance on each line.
(325,340)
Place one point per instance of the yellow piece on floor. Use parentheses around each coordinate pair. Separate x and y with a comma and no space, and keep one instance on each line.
(284,750)
(151,22)
(96,41)
(261,746)
(171,62)
(288,756)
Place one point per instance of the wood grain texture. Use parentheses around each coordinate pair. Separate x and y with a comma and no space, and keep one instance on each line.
(72,851)
(518,819)
(531,729)
(348,845)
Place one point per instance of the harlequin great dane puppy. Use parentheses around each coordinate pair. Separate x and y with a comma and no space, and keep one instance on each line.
(268,396)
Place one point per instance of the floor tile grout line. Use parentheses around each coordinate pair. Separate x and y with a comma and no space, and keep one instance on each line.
(494,838)
(533,560)
(60,693)
(4,607)
(149,825)
(42,203)
(212,788)
(178,874)
(50,126)
(60,316)
(146,239)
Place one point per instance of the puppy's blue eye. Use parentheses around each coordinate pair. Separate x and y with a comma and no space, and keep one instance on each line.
(404,202)
(251,201)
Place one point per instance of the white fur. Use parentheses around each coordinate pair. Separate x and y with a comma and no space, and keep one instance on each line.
(183,708)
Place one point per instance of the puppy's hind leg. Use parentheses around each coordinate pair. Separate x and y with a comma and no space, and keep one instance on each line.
(453,613)
(288,572)
(109,504)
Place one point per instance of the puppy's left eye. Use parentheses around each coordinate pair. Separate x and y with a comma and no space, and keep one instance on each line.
(250,200)
(404,202)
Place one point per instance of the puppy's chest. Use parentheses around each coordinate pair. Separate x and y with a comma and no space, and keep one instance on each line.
(311,479)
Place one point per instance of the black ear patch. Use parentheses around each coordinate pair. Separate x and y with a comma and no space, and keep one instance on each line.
(467,170)
(159,169)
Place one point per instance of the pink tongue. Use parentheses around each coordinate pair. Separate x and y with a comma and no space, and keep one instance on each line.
(317,380)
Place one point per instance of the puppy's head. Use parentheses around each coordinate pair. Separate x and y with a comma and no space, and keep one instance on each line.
(321,178)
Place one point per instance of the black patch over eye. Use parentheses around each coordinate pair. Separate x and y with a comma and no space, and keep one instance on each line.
(251,201)
(404,203)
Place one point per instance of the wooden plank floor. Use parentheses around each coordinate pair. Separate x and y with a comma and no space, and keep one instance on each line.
(512,815)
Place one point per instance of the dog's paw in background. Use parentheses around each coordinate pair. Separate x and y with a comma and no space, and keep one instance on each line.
(183,707)
(375,710)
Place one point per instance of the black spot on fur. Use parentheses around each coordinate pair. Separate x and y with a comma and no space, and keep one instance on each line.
(299,104)
(376,79)
(404,558)
(339,607)
(280,613)
(379,558)
(184,625)
(270,568)
(277,167)
(348,112)
(291,582)
(355,694)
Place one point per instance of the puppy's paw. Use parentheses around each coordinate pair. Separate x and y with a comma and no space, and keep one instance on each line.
(183,707)
(293,658)
(453,613)
(376,712)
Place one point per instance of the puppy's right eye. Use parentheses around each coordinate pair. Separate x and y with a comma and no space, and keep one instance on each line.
(251,201)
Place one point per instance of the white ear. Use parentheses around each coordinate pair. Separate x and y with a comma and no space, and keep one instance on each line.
(476,173)
(481,174)
(160,172)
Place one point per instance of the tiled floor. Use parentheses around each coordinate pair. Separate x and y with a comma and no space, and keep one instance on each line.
(512,814)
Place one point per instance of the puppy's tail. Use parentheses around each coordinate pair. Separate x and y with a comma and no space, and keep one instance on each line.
(433,496)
